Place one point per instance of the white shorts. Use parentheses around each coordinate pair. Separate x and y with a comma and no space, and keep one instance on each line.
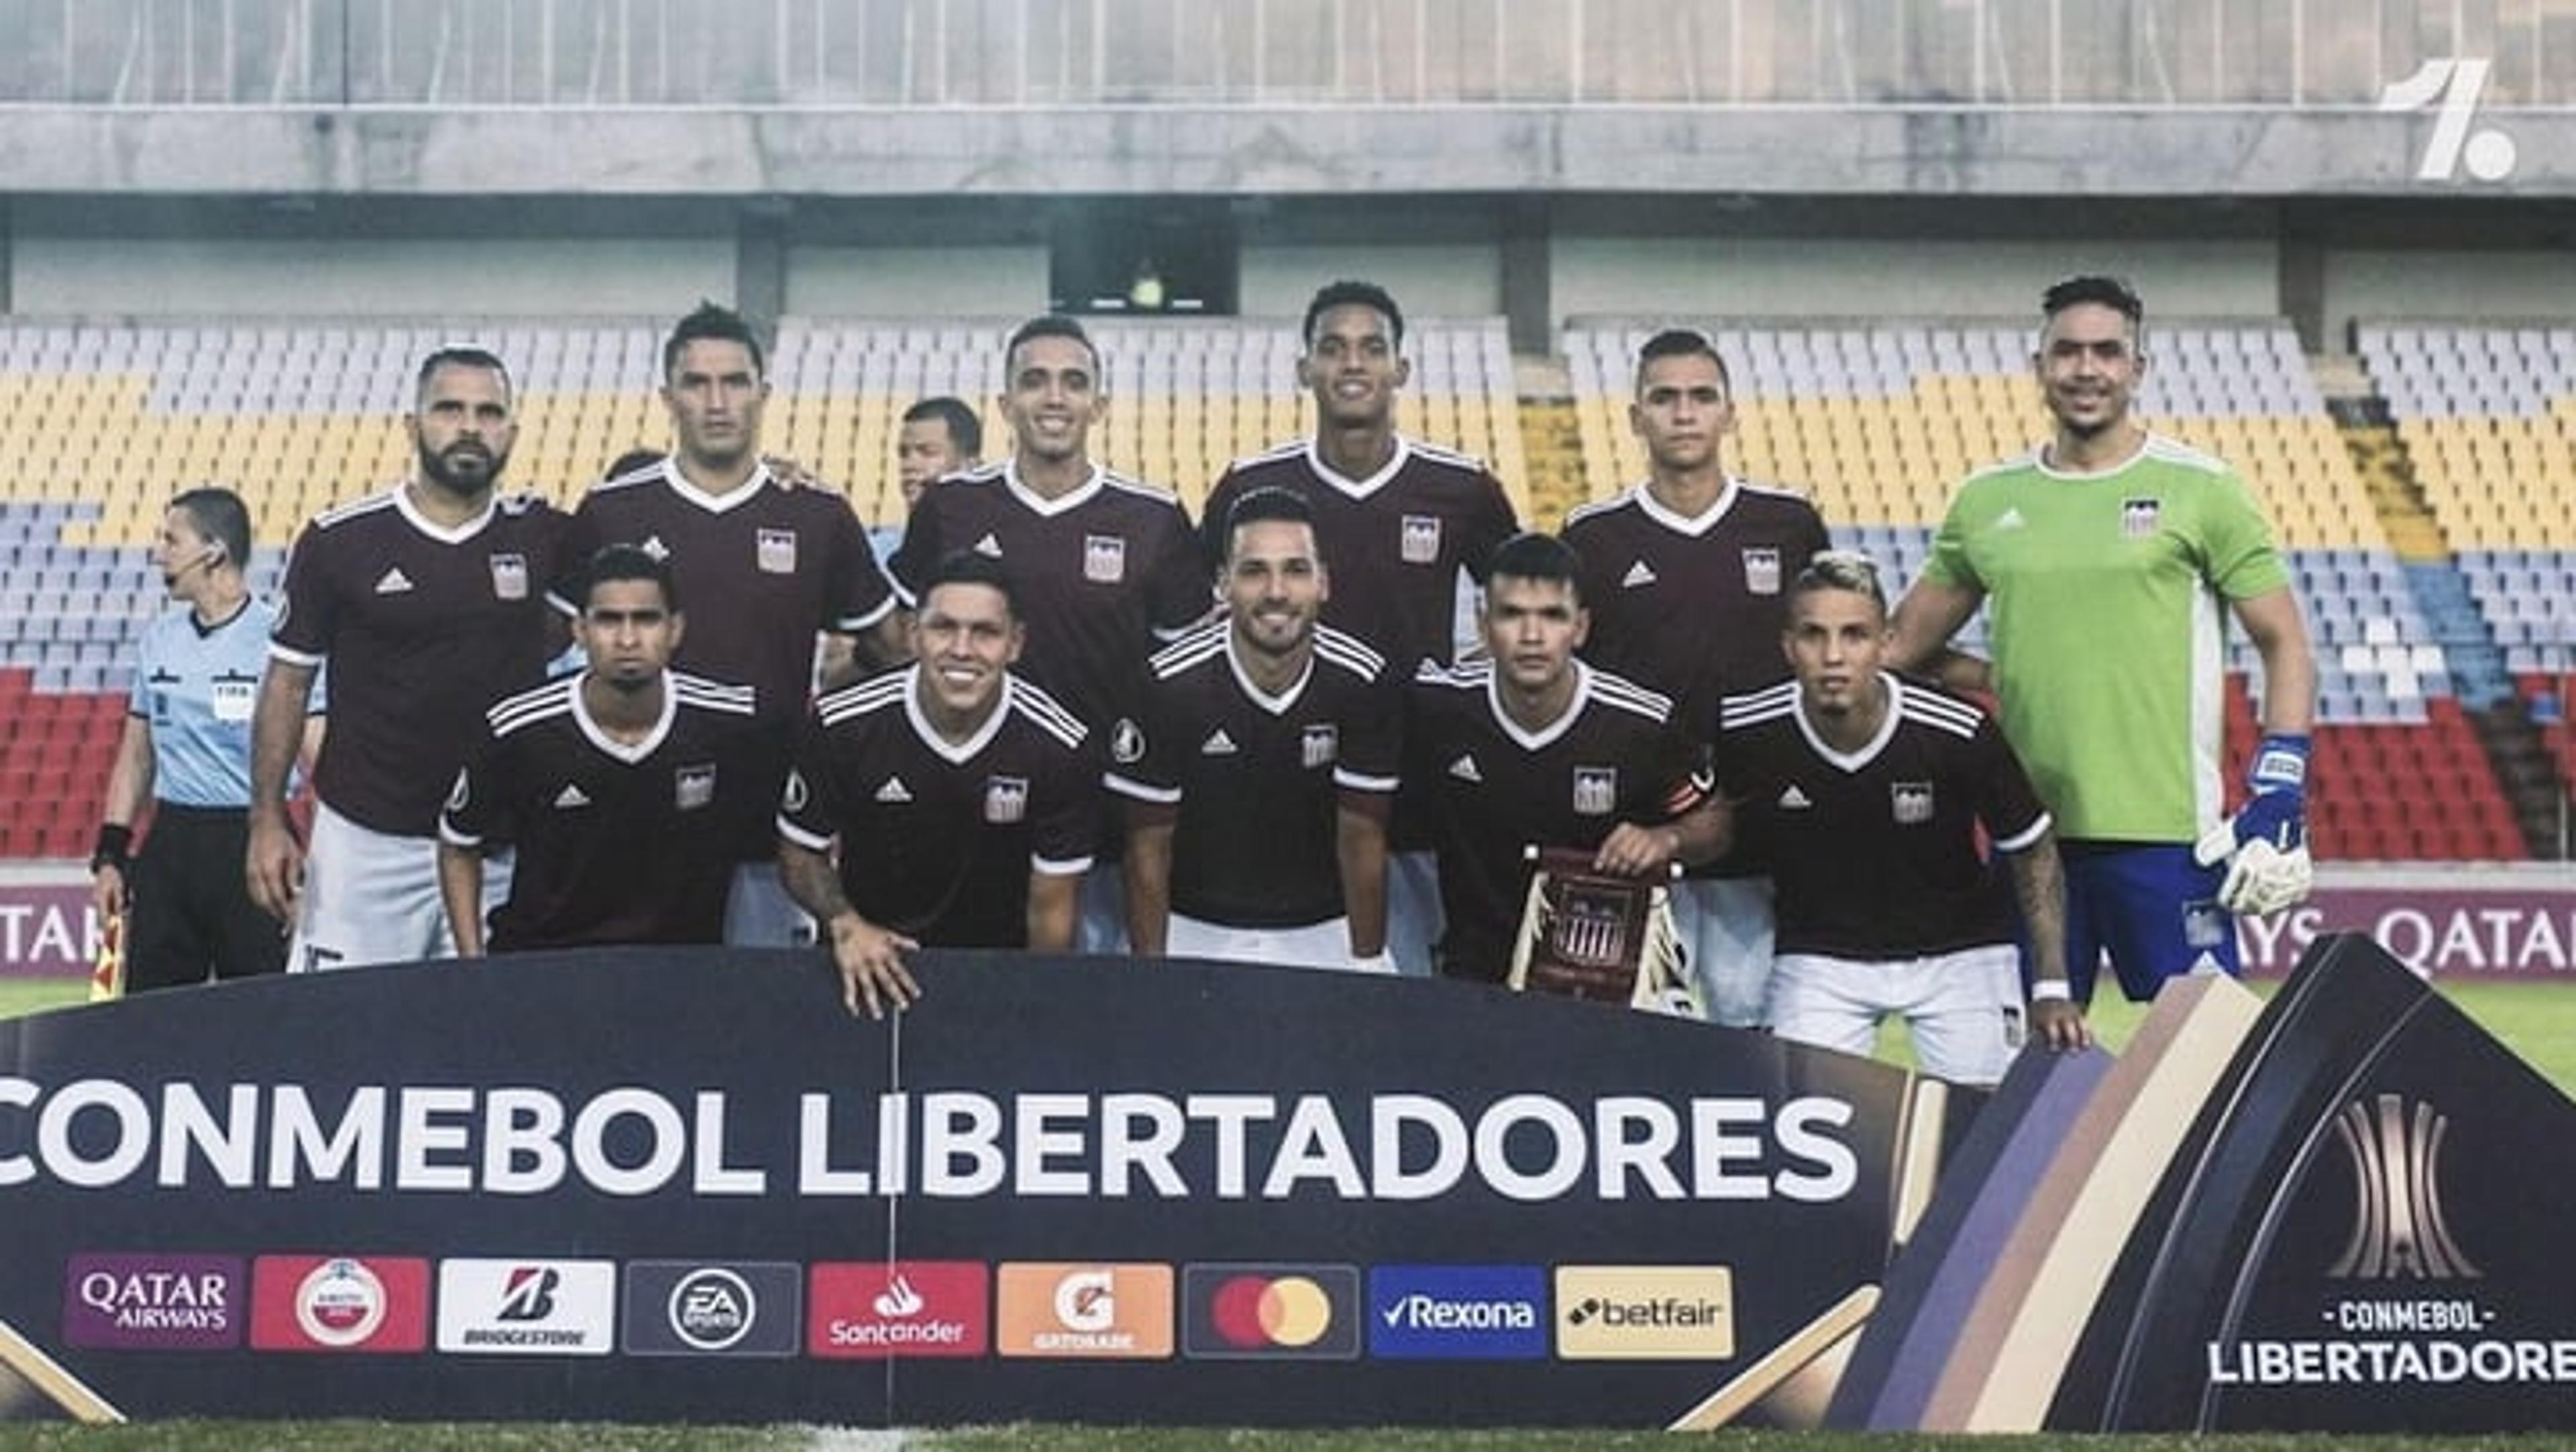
(372,897)
(1317,945)
(760,914)
(1725,928)
(1414,917)
(1964,1009)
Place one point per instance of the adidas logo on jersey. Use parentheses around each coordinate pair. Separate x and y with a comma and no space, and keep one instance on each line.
(395,582)
(1639,574)
(1464,768)
(2010,519)
(1218,744)
(653,546)
(572,796)
(989,547)
(1794,800)
(894,790)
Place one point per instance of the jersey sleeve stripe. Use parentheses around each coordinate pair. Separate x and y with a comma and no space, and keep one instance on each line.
(853,624)
(1054,867)
(1359,782)
(1128,786)
(448,834)
(803,838)
(2026,838)
(1194,644)
(1350,650)
(1049,715)
(292,656)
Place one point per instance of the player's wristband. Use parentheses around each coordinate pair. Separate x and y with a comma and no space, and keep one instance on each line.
(2052,990)
(115,847)
(2280,762)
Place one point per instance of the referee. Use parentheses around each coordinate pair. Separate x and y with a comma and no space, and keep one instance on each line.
(186,751)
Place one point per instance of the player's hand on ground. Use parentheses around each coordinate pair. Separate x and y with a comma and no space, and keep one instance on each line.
(1634,851)
(275,867)
(2059,1024)
(871,962)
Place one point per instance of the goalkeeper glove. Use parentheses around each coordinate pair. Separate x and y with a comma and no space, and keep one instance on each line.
(2265,845)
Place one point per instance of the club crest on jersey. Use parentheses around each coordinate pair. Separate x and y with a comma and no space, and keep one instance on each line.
(1421,541)
(1911,801)
(2139,517)
(1126,741)
(1320,745)
(776,550)
(1762,571)
(461,793)
(1596,790)
(1006,799)
(693,787)
(1104,558)
(510,576)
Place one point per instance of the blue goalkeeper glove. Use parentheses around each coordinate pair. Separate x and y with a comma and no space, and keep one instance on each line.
(2278,811)
(2265,846)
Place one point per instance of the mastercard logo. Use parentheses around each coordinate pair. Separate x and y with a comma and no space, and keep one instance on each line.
(1247,1311)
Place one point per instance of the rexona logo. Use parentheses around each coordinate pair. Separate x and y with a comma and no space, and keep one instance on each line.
(1270,1312)
(875,1309)
(368,1304)
(702,1308)
(1084,1310)
(528,1307)
(1457,1312)
(154,1302)
(1645,1312)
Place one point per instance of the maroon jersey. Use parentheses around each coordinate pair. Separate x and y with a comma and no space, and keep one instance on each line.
(1258,778)
(1101,573)
(1693,607)
(1496,788)
(759,570)
(1874,853)
(617,843)
(938,841)
(1399,544)
(420,627)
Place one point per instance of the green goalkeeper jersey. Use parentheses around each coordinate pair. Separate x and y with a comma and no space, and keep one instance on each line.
(2106,598)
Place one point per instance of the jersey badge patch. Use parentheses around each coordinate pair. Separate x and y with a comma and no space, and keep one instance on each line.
(1217,744)
(1596,790)
(1464,768)
(693,787)
(653,546)
(1762,571)
(2139,517)
(776,550)
(894,792)
(510,577)
(1104,558)
(1911,801)
(1794,800)
(393,582)
(1006,799)
(1421,540)
(571,796)
(1319,745)
(1638,577)
(989,547)
(1126,742)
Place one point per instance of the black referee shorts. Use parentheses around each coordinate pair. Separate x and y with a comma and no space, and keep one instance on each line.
(190,915)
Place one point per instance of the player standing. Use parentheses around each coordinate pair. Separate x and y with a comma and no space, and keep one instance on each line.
(2108,555)
(1258,804)
(1684,576)
(1406,525)
(936,438)
(428,601)
(1866,794)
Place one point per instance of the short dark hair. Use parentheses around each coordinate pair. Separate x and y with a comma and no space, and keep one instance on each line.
(1683,343)
(1046,325)
(630,562)
(1533,555)
(966,567)
(965,430)
(1350,292)
(222,518)
(2110,292)
(1268,503)
(718,323)
(634,461)
(461,355)
(1840,570)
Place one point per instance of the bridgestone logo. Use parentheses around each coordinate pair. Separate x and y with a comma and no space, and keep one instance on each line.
(1419,1312)
(513,1336)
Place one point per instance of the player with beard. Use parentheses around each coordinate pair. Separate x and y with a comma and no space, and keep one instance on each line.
(769,566)
(962,800)
(1258,802)
(1407,527)
(428,603)
(621,787)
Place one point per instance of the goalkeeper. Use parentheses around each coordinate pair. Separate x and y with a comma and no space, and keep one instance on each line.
(2107,555)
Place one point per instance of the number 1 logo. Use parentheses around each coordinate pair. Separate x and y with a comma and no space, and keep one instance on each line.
(2487,153)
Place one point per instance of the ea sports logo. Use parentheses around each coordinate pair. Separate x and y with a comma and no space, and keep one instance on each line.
(340,1304)
(711,1309)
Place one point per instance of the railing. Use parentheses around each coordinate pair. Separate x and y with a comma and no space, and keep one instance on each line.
(774,53)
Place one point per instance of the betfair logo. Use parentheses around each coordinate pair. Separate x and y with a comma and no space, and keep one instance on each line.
(1645,1313)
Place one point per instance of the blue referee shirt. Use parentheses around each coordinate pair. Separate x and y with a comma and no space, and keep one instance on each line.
(197,688)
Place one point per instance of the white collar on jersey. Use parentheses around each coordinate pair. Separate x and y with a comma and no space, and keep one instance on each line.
(444,534)
(1692,525)
(599,736)
(1069,499)
(964,751)
(713,503)
(1277,705)
(1850,762)
(1358,488)
(1546,735)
